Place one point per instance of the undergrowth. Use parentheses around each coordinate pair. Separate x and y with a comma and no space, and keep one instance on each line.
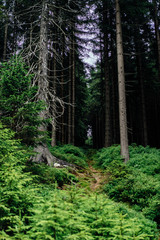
(47,175)
(138,182)
(70,154)
(32,207)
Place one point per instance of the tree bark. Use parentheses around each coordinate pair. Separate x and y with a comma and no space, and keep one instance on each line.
(62,93)
(107,85)
(43,153)
(121,87)
(43,84)
(157,32)
(143,103)
(70,97)
(5,40)
(53,142)
(73,90)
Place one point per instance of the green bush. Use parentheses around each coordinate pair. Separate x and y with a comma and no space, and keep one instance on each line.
(146,159)
(137,182)
(18,110)
(137,189)
(33,208)
(74,215)
(48,175)
(15,195)
(106,155)
(70,154)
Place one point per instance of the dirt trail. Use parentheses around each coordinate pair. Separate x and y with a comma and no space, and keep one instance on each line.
(93,178)
(97,179)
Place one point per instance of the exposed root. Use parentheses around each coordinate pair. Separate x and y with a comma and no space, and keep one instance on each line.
(44,155)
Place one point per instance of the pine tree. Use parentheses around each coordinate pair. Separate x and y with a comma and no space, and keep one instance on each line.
(121,84)
(19,110)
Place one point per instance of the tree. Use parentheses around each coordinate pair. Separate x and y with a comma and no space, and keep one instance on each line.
(106,76)
(18,107)
(121,87)
(157,32)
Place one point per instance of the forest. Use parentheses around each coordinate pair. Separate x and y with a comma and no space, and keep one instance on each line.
(79,120)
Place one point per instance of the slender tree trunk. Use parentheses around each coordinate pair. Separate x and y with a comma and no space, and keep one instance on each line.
(5,40)
(107,85)
(114,90)
(143,103)
(53,142)
(62,94)
(14,43)
(73,90)
(157,32)
(70,98)
(102,123)
(121,87)
(114,107)
(139,46)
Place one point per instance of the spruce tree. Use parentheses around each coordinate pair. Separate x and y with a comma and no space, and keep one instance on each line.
(19,110)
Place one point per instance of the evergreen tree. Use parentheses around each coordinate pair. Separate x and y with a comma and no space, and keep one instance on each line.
(18,107)
(121,84)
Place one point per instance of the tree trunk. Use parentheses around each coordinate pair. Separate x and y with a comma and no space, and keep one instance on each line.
(43,84)
(62,94)
(121,87)
(138,47)
(53,142)
(43,154)
(114,89)
(5,40)
(107,85)
(73,90)
(157,32)
(143,104)
(70,97)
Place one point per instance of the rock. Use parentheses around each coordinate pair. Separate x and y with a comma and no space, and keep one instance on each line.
(56,165)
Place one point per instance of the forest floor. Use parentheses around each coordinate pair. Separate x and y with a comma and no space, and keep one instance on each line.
(92,178)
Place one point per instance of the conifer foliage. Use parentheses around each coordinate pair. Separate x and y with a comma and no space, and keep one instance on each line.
(45,90)
(15,197)
(31,208)
(18,107)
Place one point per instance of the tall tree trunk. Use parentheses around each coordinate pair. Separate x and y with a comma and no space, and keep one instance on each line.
(107,85)
(5,40)
(138,47)
(43,84)
(73,90)
(157,32)
(114,89)
(44,154)
(14,44)
(70,97)
(53,142)
(121,87)
(143,103)
(62,93)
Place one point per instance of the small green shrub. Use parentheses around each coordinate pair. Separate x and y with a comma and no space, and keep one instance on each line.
(137,182)
(74,215)
(70,154)
(48,175)
(145,159)
(136,189)
(15,195)
(19,110)
(33,208)
(105,156)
